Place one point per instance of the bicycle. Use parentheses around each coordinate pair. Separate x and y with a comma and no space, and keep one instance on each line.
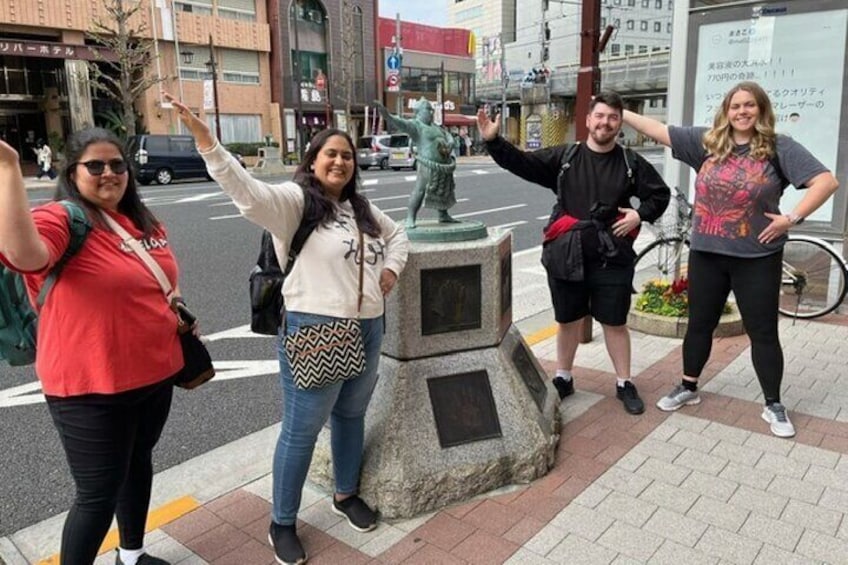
(813,280)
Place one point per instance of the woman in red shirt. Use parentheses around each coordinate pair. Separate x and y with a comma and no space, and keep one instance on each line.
(107,338)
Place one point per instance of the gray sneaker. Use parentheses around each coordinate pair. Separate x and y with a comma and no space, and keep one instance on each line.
(680,396)
(778,420)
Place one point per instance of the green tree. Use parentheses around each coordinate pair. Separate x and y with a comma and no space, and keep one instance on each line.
(121,76)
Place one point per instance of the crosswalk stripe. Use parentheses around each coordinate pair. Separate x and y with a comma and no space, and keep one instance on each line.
(490,210)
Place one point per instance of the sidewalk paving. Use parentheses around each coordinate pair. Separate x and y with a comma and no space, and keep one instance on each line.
(708,484)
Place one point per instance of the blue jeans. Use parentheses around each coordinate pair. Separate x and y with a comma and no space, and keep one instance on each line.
(306,411)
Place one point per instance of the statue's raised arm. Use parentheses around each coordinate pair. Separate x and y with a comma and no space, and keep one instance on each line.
(434,186)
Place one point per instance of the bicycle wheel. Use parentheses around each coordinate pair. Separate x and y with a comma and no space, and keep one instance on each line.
(664,259)
(813,281)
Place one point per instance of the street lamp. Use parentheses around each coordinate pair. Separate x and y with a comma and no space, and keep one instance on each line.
(212,67)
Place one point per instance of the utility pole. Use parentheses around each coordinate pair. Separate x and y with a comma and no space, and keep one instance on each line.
(588,84)
(212,66)
(296,79)
(504,83)
(399,53)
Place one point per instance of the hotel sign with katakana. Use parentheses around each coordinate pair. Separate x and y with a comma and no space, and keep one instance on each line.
(54,50)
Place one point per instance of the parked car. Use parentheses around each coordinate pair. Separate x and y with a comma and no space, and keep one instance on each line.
(164,158)
(373,151)
(403,154)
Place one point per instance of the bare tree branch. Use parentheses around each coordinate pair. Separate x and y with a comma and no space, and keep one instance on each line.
(121,76)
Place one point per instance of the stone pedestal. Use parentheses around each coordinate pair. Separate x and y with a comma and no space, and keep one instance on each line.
(269,163)
(462,406)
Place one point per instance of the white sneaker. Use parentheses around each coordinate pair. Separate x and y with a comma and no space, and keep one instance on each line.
(778,420)
(679,396)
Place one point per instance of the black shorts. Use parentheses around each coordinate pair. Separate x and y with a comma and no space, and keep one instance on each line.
(604,293)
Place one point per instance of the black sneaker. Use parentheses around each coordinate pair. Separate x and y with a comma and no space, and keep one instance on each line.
(359,516)
(286,544)
(564,387)
(145,559)
(630,398)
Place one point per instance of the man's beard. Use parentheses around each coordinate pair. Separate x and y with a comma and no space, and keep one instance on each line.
(603,136)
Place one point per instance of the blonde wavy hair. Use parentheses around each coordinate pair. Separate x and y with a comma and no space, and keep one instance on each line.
(718,141)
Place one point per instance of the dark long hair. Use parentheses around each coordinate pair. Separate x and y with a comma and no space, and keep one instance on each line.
(323,209)
(130,205)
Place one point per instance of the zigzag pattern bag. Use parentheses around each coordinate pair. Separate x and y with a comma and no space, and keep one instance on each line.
(324,354)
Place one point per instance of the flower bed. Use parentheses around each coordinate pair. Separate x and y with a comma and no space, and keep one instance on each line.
(662,308)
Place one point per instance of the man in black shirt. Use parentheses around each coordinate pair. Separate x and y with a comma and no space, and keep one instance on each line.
(588,248)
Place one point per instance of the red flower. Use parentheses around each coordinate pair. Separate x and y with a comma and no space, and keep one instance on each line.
(680,286)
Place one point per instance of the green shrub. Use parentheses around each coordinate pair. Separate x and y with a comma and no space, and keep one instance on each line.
(248,149)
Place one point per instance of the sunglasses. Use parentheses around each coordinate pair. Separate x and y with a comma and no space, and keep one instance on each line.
(97,167)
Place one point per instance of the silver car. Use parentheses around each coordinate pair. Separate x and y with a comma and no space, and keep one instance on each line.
(403,154)
(373,151)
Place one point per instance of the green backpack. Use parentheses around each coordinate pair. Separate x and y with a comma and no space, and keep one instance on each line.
(17,316)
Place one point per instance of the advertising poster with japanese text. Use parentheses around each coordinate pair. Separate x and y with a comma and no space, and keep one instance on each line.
(798,60)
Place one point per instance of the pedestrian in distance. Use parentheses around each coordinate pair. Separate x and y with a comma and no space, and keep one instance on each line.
(329,174)
(44,159)
(738,232)
(107,340)
(588,248)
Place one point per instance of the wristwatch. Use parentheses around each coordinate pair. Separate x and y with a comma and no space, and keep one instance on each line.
(794,218)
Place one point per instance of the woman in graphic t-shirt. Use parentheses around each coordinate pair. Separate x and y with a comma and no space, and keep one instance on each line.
(107,338)
(738,232)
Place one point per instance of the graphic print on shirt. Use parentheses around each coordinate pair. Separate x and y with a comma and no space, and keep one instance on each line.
(724,196)
(149,244)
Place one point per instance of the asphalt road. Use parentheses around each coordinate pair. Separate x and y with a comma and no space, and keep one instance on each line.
(216,250)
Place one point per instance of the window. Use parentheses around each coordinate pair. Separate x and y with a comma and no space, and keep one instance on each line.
(646,3)
(652,102)
(658,5)
(630,24)
(643,49)
(655,48)
(244,10)
(668,27)
(603,22)
(616,49)
(239,66)
(671,4)
(617,23)
(616,2)
(198,7)
(628,49)
(643,25)
(631,3)
(657,27)
(236,128)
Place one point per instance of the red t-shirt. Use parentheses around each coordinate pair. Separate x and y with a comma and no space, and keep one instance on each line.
(105,326)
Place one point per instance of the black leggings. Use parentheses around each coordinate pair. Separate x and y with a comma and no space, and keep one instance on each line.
(108,441)
(756,285)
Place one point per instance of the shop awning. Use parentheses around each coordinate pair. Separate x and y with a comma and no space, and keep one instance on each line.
(459,120)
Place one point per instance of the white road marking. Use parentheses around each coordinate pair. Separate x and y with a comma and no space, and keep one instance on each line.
(237,332)
(410,177)
(480,172)
(228,217)
(198,197)
(490,211)
(369,182)
(384,198)
(509,225)
(389,210)
(228,370)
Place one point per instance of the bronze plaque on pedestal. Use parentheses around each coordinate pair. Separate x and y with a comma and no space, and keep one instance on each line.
(451,299)
(524,365)
(464,408)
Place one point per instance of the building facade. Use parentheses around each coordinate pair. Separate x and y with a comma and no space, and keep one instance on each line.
(326,66)
(45,51)
(432,62)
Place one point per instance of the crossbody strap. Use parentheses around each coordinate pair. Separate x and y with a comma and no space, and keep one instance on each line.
(361,271)
(142,253)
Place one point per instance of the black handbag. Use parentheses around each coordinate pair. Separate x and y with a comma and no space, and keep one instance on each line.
(197,368)
(198,363)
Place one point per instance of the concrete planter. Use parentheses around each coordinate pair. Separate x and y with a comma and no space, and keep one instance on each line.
(667,326)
